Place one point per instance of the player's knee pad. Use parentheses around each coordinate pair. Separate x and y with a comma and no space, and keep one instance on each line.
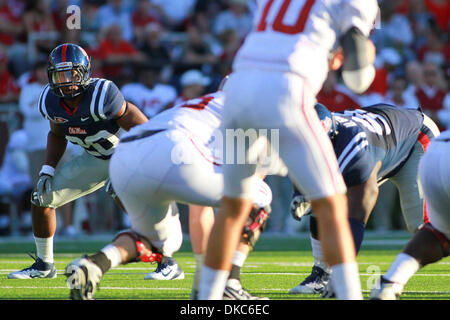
(440,236)
(142,256)
(257,221)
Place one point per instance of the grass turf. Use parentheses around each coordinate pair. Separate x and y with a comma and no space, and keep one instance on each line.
(277,264)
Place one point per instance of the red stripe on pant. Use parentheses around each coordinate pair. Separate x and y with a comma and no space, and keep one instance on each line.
(424,141)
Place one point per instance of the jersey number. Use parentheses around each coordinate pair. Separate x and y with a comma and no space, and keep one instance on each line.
(278,24)
(372,121)
(103,143)
(199,103)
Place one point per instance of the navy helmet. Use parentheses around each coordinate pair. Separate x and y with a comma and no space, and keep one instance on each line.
(327,119)
(68,65)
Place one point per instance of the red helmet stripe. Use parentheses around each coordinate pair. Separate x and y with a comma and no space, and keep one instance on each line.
(64,50)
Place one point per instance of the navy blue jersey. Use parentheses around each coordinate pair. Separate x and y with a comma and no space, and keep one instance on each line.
(91,123)
(376,133)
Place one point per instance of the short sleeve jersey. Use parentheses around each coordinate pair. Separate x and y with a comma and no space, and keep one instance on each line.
(90,124)
(371,134)
(298,35)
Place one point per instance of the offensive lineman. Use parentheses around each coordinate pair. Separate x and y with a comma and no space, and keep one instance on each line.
(432,242)
(276,74)
(372,144)
(177,161)
(90,112)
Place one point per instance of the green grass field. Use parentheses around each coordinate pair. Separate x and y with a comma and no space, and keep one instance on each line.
(276,265)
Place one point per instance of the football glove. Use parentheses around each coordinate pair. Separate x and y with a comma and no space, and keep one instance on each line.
(299,206)
(44,184)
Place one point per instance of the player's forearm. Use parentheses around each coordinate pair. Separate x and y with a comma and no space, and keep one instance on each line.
(132,117)
(56,146)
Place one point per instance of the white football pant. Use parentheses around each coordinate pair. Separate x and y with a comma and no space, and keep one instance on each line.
(434,171)
(258,100)
(149,173)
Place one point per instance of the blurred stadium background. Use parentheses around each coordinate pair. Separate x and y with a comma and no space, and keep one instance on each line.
(180,49)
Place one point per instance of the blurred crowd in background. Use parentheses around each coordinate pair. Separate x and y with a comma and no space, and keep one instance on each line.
(161,52)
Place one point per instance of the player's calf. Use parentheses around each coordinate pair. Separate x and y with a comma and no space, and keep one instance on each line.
(428,245)
(84,274)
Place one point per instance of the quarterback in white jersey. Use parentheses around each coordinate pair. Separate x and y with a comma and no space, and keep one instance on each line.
(276,75)
(168,159)
(432,242)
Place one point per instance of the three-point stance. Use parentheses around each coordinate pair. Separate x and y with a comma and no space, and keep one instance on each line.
(372,144)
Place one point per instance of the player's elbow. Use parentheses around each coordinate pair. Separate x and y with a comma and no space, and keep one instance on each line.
(358,71)
(359,80)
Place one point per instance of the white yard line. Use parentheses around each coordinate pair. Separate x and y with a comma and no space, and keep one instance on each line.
(61,272)
(179,289)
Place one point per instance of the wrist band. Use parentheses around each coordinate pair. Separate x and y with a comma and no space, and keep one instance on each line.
(48,170)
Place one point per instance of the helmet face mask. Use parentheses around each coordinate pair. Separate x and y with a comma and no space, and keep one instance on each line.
(68,71)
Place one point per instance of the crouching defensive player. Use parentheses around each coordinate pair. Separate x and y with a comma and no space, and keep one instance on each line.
(372,144)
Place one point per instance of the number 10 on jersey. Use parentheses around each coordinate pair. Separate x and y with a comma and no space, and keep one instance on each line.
(286,8)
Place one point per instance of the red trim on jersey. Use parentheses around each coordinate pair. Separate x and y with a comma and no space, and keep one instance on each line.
(69,110)
(64,50)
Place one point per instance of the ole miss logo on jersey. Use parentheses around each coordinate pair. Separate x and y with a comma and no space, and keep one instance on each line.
(76,130)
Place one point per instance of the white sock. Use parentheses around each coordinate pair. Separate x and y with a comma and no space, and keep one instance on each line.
(318,256)
(199,259)
(212,283)
(44,248)
(402,269)
(113,255)
(346,282)
(239,258)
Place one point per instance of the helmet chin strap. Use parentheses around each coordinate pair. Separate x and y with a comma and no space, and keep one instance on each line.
(71,96)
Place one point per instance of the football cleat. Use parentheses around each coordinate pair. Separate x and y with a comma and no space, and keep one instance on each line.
(39,269)
(168,269)
(234,291)
(386,290)
(83,277)
(314,283)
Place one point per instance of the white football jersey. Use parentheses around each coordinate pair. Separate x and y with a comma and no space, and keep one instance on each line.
(199,117)
(150,101)
(298,35)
